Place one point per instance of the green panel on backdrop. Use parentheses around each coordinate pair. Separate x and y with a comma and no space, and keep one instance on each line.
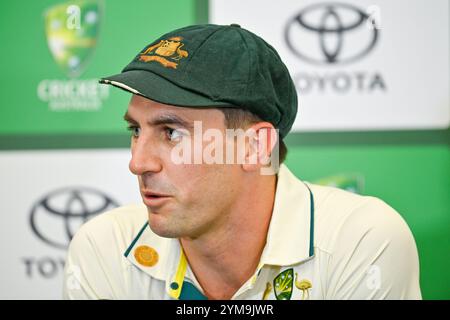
(413,179)
(33,81)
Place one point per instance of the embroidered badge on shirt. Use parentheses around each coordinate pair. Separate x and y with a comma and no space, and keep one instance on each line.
(146,256)
(304,285)
(282,284)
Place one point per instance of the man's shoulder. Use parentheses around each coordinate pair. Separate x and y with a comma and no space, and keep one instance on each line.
(96,254)
(334,202)
(359,238)
(119,226)
(339,211)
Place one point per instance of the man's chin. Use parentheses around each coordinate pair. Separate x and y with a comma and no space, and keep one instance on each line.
(160,225)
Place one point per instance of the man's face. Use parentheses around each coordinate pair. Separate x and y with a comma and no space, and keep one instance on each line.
(193,198)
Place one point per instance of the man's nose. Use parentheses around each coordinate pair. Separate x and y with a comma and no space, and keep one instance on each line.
(144,157)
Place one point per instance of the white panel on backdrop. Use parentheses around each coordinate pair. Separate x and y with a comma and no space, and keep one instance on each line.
(45,197)
(357,65)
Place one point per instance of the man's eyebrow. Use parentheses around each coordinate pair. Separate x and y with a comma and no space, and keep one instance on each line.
(162,119)
(128,118)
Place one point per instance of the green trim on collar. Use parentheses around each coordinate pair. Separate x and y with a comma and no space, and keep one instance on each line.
(181,289)
(190,292)
(311,225)
(127,252)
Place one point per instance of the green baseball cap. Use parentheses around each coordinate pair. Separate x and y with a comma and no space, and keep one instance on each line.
(213,66)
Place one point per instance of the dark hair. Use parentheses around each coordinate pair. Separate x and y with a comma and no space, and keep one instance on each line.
(236,118)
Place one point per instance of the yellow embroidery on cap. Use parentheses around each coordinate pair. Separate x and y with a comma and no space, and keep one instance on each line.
(146,256)
(165,50)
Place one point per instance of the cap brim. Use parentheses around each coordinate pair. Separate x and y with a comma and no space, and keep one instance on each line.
(157,88)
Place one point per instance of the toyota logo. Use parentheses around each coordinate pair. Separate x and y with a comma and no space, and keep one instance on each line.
(55,218)
(339,33)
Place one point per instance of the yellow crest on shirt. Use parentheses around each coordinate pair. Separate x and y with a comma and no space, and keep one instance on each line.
(146,256)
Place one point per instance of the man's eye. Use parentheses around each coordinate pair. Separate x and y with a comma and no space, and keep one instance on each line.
(134,131)
(174,134)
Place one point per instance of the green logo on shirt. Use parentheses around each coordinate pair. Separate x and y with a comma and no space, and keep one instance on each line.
(282,285)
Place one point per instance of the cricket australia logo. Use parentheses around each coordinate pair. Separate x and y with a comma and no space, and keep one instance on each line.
(282,284)
(166,52)
(72,32)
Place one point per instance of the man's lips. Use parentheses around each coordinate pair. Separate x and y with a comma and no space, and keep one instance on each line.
(154,199)
(146,193)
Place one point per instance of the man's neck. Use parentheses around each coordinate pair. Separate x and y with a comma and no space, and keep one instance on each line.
(225,259)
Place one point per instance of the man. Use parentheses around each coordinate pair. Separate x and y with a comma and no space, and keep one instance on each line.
(211,229)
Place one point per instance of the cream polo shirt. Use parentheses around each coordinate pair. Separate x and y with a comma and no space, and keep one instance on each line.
(322,243)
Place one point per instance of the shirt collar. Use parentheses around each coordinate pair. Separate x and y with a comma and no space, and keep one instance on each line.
(169,266)
(289,239)
(168,252)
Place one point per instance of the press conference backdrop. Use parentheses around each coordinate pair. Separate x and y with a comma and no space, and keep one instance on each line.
(373,83)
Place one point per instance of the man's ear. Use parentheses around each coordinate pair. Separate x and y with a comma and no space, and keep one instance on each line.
(262,140)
